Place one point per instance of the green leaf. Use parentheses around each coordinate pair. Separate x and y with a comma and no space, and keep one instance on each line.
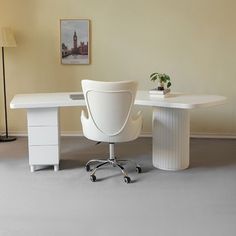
(154,77)
(163,78)
(168,84)
(153,74)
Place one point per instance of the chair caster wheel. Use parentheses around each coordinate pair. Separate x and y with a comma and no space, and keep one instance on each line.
(87,168)
(93,178)
(127,179)
(138,169)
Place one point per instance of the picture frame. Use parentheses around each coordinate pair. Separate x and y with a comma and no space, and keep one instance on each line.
(75,41)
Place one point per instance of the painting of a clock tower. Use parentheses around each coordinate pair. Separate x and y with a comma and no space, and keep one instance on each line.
(75,40)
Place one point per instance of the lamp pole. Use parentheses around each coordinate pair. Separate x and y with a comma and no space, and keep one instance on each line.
(5,138)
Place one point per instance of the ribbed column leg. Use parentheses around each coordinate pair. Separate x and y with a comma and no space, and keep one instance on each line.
(170,130)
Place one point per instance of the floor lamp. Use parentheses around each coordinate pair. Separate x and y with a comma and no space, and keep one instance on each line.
(6,40)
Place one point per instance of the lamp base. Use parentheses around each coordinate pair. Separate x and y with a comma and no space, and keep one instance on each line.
(7,139)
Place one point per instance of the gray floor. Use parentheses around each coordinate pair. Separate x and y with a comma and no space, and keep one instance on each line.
(198,201)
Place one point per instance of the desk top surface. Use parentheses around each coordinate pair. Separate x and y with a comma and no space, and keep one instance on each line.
(175,100)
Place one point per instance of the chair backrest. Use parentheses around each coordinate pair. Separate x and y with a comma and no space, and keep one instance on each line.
(109,104)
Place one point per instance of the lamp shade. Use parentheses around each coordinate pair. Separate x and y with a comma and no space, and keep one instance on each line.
(7,38)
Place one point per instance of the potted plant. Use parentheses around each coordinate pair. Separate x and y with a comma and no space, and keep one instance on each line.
(161,79)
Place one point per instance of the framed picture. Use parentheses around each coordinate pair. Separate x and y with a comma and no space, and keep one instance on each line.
(75,43)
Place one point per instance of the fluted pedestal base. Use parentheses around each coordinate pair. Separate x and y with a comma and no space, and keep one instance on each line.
(170,138)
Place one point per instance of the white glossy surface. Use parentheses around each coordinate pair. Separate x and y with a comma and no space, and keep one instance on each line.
(44,136)
(110,107)
(42,117)
(176,100)
(44,155)
(44,100)
(170,138)
(42,111)
(179,100)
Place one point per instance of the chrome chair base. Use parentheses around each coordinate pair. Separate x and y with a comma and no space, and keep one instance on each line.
(111,162)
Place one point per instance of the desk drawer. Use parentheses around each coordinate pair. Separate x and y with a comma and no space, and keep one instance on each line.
(43,135)
(42,116)
(44,155)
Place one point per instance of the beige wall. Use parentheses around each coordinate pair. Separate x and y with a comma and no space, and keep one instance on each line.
(194,41)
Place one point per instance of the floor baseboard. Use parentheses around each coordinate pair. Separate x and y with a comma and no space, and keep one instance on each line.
(144,134)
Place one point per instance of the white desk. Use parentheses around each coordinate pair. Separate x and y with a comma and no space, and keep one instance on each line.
(170,127)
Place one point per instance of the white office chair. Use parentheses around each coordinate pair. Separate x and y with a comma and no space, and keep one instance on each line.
(110,119)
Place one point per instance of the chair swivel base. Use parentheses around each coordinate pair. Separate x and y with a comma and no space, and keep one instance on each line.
(112,162)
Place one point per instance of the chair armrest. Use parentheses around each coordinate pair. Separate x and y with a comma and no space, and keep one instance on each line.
(84,115)
(137,116)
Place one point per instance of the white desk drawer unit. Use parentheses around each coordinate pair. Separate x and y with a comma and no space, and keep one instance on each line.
(44,137)
(43,155)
